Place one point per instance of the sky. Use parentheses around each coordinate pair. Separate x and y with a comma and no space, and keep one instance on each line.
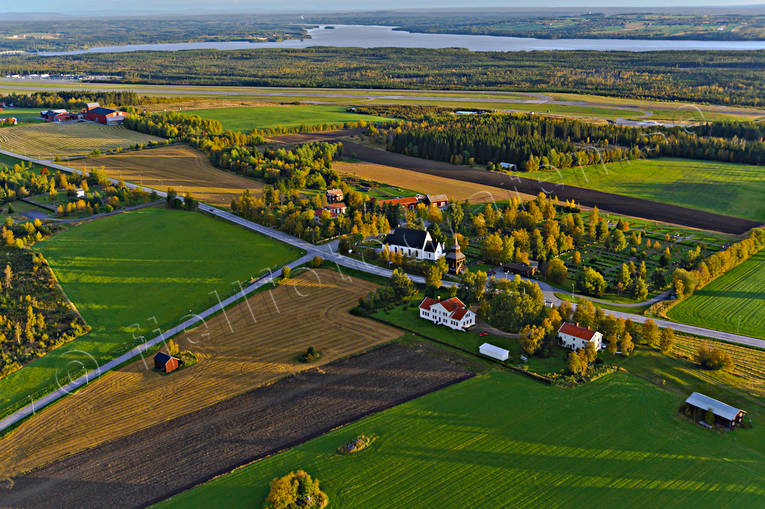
(96,7)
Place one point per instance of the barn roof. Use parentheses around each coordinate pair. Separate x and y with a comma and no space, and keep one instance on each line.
(433,198)
(102,111)
(719,408)
(162,357)
(573,329)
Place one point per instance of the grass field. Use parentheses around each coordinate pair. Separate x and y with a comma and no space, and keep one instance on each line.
(131,273)
(255,353)
(261,117)
(178,166)
(726,188)
(23,115)
(426,184)
(501,440)
(48,140)
(734,302)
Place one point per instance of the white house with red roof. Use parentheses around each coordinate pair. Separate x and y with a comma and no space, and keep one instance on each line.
(572,336)
(450,312)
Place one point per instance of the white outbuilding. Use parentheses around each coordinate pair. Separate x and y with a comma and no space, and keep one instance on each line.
(494,352)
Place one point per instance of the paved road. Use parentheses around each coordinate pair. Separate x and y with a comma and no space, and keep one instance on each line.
(325,251)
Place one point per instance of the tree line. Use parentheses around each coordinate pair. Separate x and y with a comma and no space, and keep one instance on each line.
(720,77)
(535,142)
(79,98)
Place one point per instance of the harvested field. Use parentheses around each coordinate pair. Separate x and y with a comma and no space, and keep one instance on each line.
(179,166)
(250,345)
(427,184)
(619,204)
(162,460)
(48,140)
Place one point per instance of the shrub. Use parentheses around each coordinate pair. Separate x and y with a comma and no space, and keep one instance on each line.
(709,357)
(187,358)
(286,272)
(296,490)
(310,355)
(316,262)
(359,443)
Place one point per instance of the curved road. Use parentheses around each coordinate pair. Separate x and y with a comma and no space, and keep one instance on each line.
(327,252)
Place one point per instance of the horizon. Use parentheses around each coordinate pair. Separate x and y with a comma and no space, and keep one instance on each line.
(92,8)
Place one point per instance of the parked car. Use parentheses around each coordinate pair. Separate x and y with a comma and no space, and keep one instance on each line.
(483,333)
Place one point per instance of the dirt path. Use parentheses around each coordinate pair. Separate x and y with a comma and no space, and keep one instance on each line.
(155,463)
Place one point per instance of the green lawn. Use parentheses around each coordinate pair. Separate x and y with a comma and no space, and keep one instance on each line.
(726,188)
(734,302)
(501,440)
(470,340)
(23,115)
(124,271)
(262,117)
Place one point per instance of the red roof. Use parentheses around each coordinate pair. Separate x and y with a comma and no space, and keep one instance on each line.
(454,306)
(573,329)
(406,202)
(340,205)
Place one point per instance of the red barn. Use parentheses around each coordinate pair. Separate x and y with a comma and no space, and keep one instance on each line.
(106,116)
(165,363)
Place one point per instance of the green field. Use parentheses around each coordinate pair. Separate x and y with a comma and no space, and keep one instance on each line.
(125,271)
(501,440)
(734,302)
(23,115)
(726,188)
(262,117)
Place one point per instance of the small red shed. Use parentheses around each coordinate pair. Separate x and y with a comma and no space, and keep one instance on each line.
(165,363)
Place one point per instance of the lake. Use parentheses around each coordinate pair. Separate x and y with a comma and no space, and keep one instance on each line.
(370,36)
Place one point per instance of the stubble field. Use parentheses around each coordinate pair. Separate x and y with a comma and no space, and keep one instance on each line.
(178,166)
(48,140)
(253,343)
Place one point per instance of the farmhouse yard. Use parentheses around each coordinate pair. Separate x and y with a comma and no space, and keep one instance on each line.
(503,440)
(133,273)
(178,166)
(48,140)
(253,343)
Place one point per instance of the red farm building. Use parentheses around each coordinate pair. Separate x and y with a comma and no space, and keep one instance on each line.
(106,116)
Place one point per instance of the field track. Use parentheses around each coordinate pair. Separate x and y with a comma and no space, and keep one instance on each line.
(165,459)
(178,166)
(616,203)
(236,355)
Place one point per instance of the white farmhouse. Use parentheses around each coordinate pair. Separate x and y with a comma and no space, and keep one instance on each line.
(414,243)
(572,336)
(450,312)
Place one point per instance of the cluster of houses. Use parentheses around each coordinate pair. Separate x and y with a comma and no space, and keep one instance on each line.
(92,111)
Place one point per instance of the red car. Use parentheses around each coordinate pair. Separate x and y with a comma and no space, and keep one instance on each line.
(483,333)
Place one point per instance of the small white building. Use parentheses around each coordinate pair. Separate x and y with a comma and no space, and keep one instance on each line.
(80,193)
(450,312)
(414,244)
(572,336)
(494,352)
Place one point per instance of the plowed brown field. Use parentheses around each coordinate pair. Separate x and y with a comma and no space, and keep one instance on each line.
(252,344)
(178,166)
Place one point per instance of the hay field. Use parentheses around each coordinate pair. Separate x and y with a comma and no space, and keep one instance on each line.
(311,309)
(427,184)
(47,140)
(179,166)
